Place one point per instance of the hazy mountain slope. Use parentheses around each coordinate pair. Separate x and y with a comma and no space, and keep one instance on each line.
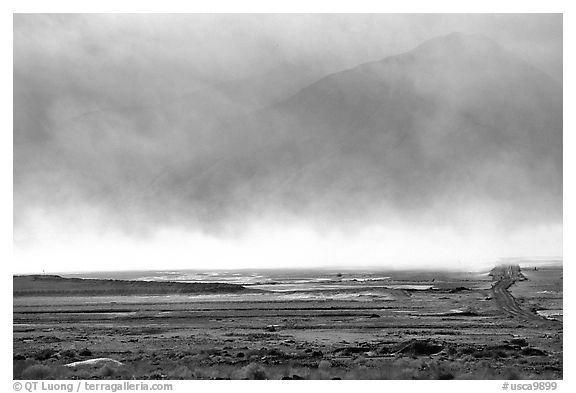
(457,125)
(73,139)
(456,120)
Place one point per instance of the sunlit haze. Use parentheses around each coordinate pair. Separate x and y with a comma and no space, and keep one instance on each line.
(286,141)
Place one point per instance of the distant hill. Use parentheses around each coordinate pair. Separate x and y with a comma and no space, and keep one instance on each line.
(457,119)
(51,285)
(456,125)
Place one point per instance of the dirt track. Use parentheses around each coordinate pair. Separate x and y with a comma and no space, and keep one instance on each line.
(508,304)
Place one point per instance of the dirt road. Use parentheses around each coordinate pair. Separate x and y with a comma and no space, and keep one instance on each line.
(507,276)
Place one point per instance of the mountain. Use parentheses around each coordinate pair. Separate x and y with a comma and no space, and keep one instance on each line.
(455,122)
(456,126)
(75,140)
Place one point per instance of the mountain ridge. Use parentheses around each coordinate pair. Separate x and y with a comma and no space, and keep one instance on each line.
(464,121)
(455,36)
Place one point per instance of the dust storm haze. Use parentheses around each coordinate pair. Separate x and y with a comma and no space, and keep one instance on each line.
(239,141)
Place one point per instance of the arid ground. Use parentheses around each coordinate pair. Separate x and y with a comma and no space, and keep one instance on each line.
(293,325)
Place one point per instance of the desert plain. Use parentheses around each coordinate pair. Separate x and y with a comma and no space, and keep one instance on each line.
(291,324)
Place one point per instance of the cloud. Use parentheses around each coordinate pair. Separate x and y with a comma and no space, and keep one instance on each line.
(134,123)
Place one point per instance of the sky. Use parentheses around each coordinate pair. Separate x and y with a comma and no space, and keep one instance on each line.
(124,123)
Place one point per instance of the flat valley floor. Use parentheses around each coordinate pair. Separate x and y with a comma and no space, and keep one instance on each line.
(301,325)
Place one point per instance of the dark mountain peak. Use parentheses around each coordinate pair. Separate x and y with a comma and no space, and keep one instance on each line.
(466,39)
(456,62)
(459,43)
(455,53)
(454,48)
(458,115)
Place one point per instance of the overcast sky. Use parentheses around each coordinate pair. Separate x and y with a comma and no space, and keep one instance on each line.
(107,105)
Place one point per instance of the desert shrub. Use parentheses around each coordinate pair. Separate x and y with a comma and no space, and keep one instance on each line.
(82,374)
(441,372)
(275,352)
(490,353)
(324,365)
(529,351)
(253,353)
(360,361)
(19,366)
(509,373)
(210,351)
(181,372)
(151,330)
(209,373)
(37,371)
(68,353)
(519,341)
(468,350)
(254,371)
(45,354)
(107,371)
(481,373)
(450,350)
(85,352)
(199,358)
(419,347)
